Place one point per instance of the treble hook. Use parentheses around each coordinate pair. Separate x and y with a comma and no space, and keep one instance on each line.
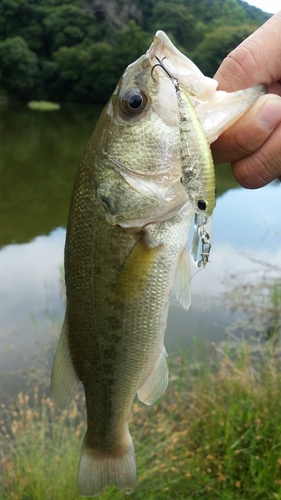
(160,63)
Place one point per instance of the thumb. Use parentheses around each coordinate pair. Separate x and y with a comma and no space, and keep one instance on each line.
(254,61)
(252,144)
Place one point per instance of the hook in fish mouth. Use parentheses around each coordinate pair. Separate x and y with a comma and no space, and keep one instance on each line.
(161,65)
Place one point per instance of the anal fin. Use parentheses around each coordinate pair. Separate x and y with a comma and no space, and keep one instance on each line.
(64,381)
(157,382)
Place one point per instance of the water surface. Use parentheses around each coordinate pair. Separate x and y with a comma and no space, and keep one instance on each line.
(39,157)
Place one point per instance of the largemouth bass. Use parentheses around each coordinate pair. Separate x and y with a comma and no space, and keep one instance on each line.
(126,246)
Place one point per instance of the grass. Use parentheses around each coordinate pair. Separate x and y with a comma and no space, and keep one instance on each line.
(216,434)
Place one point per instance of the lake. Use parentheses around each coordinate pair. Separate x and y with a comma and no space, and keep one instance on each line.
(40,152)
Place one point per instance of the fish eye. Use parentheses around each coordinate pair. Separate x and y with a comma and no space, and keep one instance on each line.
(133,102)
(201,204)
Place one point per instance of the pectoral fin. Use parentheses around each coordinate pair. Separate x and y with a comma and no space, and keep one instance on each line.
(157,382)
(64,381)
(182,283)
(135,271)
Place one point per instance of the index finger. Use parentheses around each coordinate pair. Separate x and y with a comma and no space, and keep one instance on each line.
(256,60)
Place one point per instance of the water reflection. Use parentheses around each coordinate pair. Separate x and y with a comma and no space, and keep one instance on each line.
(39,157)
(249,219)
(30,295)
(41,152)
(246,236)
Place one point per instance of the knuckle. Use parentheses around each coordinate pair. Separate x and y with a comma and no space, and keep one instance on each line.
(240,68)
(257,170)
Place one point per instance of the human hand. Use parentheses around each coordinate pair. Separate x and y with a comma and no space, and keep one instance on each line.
(253,143)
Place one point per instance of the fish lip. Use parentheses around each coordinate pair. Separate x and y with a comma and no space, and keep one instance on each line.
(163,45)
(191,79)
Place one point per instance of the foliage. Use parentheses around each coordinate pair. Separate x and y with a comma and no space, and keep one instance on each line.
(76,50)
(89,71)
(231,14)
(67,26)
(81,70)
(18,63)
(175,18)
(217,44)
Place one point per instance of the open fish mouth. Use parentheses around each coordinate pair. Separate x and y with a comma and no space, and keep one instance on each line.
(216,109)
(189,75)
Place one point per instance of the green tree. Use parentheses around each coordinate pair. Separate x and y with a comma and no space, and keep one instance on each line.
(253,14)
(217,44)
(18,68)
(14,15)
(81,47)
(23,18)
(83,73)
(231,14)
(129,44)
(67,25)
(174,18)
(206,10)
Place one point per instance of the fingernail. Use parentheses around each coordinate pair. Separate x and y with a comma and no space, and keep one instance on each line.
(270,114)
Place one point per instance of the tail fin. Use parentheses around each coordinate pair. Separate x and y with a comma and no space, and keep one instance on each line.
(96,471)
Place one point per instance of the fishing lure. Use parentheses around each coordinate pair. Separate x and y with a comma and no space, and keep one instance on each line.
(198,175)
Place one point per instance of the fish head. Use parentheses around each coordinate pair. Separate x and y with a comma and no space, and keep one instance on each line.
(139,94)
(138,175)
(136,143)
(137,172)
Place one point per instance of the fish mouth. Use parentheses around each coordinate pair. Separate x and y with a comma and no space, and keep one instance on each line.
(216,109)
(180,67)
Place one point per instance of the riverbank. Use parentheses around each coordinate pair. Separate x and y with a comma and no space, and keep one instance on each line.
(215,434)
